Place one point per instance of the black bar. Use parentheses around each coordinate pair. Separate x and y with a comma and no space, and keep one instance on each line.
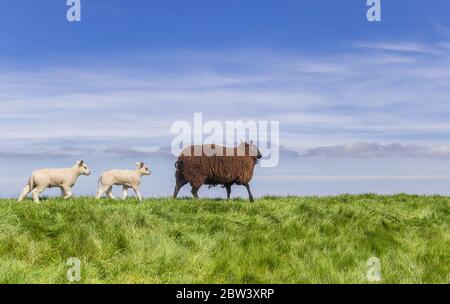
(216,293)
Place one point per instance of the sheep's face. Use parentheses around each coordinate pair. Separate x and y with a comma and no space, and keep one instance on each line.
(143,169)
(258,154)
(252,150)
(83,168)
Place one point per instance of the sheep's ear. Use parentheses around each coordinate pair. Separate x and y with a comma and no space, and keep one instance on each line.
(142,165)
(80,162)
(138,164)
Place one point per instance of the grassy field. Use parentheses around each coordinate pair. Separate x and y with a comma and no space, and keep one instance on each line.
(275,240)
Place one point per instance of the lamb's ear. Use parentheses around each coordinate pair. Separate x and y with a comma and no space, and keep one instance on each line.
(80,162)
(138,164)
(142,165)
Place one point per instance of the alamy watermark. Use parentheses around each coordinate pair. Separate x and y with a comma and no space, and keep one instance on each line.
(374,11)
(74,271)
(74,10)
(209,138)
(374,270)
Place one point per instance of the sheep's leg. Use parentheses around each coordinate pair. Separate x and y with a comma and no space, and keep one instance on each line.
(138,192)
(250,196)
(24,193)
(228,187)
(177,188)
(194,191)
(36,191)
(124,192)
(109,193)
(67,193)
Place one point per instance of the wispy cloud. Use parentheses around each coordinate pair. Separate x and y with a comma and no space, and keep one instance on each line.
(442,30)
(124,152)
(319,100)
(43,153)
(350,150)
(35,155)
(324,178)
(377,150)
(396,46)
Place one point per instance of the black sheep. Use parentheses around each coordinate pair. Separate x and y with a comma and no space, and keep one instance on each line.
(216,165)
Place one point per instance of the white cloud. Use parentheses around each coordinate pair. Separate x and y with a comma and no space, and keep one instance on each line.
(319,100)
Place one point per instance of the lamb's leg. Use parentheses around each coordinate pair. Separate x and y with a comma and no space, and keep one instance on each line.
(63,192)
(24,193)
(228,187)
(138,192)
(109,193)
(36,191)
(102,189)
(124,192)
(67,192)
(250,196)
(99,193)
(177,188)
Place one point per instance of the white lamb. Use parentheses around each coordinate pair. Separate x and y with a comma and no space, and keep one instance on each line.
(126,178)
(49,178)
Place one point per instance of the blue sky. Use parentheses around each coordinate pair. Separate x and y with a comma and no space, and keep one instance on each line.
(363,107)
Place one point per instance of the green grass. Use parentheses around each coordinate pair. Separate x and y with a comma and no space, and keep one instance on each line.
(274,240)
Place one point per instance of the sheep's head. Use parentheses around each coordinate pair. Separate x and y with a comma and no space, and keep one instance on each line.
(82,167)
(143,169)
(251,149)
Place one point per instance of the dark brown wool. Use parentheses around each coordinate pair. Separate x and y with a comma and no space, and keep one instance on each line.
(217,169)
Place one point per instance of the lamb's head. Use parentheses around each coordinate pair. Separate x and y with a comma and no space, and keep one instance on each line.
(143,169)
(82,168)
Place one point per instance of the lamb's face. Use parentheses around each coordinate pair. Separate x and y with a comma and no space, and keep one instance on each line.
(83,168)
(143,169)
